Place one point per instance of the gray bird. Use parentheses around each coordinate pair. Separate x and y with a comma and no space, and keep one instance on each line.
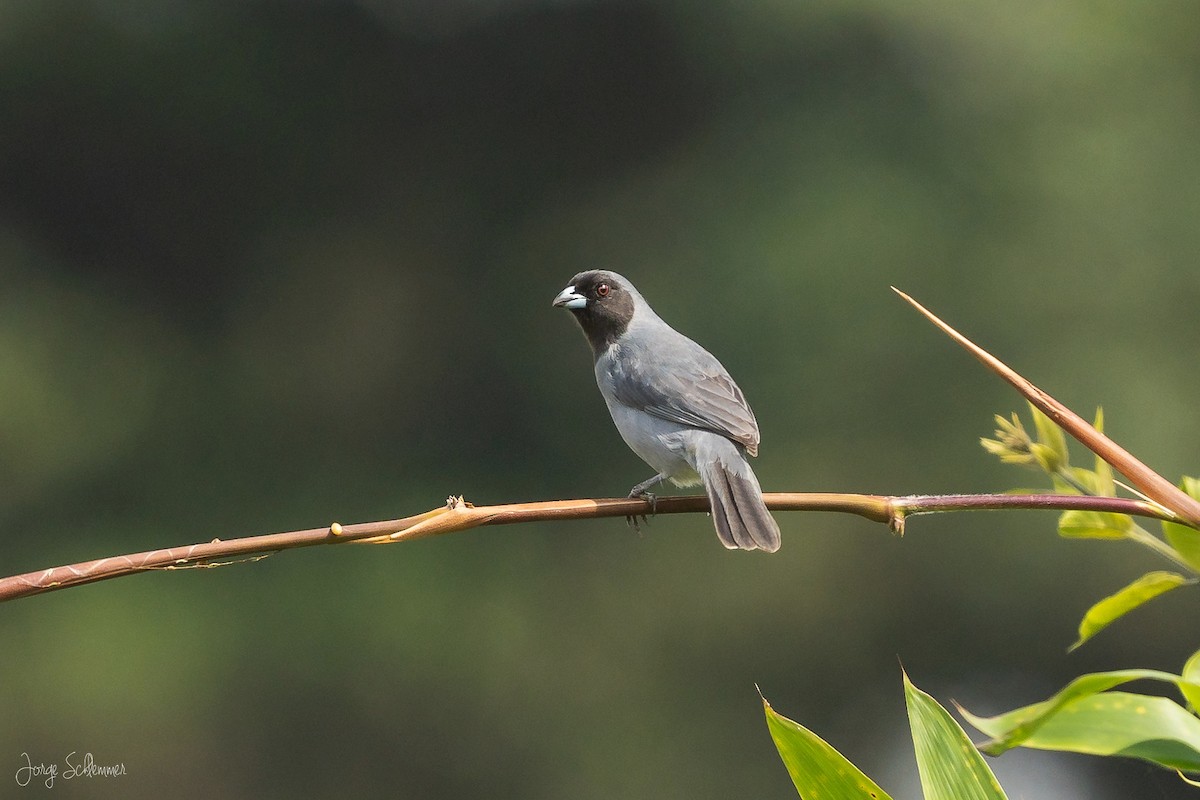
(674,405)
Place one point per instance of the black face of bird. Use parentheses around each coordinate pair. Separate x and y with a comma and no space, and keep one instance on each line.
(602,305)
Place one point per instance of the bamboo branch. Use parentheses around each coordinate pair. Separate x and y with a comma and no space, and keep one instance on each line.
(1164,502)
(459,515)
(1146,480)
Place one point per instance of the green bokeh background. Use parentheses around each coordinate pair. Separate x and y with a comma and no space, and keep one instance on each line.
(268,265)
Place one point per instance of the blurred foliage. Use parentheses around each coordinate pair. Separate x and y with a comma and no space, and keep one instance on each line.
(271,265)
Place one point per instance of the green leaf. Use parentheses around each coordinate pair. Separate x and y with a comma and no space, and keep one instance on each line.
(1191,673)
(1099,484)
(1046,456)
(1077,524)
(1051,436)
(1191,486)
(1104,483)
(1185,540)
(950,766)
(1153,729)
(1017,727)
(819,771)
(1115,606)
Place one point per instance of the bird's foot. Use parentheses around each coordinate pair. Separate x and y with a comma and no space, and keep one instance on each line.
(641,494)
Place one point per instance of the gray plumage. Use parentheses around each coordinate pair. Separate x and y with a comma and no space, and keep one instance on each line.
(674,405)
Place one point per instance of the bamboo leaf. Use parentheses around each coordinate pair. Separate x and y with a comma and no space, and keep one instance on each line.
(1115,606)
(1185,540)
(1191,674)
(1046,456)
(1093,525)
(950,766)
(1105,485)
(1099,484)
(1052,438)
(1154,729)
(1016,727)
(818,771)
(1190,486)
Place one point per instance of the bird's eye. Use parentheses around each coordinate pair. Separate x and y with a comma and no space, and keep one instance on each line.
(603,290)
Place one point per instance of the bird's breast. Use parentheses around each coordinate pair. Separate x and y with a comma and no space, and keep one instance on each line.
(662,444)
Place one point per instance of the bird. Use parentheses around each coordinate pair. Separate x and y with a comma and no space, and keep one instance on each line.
(674,404)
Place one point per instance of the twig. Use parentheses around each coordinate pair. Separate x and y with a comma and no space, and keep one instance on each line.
(1164,502)
(1147,481)
(458,515)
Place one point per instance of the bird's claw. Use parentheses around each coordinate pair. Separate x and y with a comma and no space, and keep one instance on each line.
(649,497)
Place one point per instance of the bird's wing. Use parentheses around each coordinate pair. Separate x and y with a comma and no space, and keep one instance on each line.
(689,386)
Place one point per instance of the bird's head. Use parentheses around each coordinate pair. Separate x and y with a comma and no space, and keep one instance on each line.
(603,303)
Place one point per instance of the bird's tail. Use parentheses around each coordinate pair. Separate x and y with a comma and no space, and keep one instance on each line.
(738,511)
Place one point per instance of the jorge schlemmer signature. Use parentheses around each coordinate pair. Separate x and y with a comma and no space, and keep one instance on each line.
(73,766)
